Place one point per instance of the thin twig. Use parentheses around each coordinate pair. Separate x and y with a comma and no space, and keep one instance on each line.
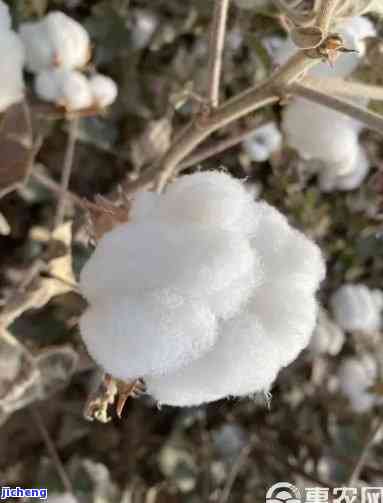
(355,473)
(237,467)
(341,87)
(218,147)
(216,43)
(38,420)
(66,172)
(47,182)
(370,120)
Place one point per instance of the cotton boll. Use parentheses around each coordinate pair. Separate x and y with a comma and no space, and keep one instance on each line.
(211,307)
(354,307)
(210,199)
(11,67)
(335,145)
(327,337)
(56,40)
(152,334)
(355,377)
(265,141)
(67,88)
(330,179)
(104,90)
(143,29)
(5,18)
(193,261)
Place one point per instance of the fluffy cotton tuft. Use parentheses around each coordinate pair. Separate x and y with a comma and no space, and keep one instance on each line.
(11,67)
(55,41)
(73,90)
(204,293)
(104,90)
(266,140)
(345,165)
(357,308)
(67,88)
(356,376)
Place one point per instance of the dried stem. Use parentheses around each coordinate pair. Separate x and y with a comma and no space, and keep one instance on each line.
(373,435)
(370,120)
(51,449)
(47,182)
(237,466)
(66,172)
(218,147)
(342,87)
(216,43)
(325,15)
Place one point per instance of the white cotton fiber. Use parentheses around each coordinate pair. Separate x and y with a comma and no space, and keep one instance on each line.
(104,90)
(55,41)
(163,333)
(192,260)
(266,140)
(210,199)
(204,293)
(317,132)
(67,88)
(5,18)
(330,179)
(11,68)
(356,376)
(357,308)
(285,253)
(244,360)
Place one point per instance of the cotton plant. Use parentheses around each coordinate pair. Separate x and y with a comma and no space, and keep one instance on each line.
(12,58)
(204,293)
(345,164)
(356,377)
(57,50)
(358,308)
(266,140)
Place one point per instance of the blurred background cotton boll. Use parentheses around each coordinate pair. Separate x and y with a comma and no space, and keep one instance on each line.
(357,307)
(56,40)
(356,378)
(266,140)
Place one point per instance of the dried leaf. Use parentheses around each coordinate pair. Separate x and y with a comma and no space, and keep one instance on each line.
(107,218)
(16,147)
(307,37)
(40,292)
